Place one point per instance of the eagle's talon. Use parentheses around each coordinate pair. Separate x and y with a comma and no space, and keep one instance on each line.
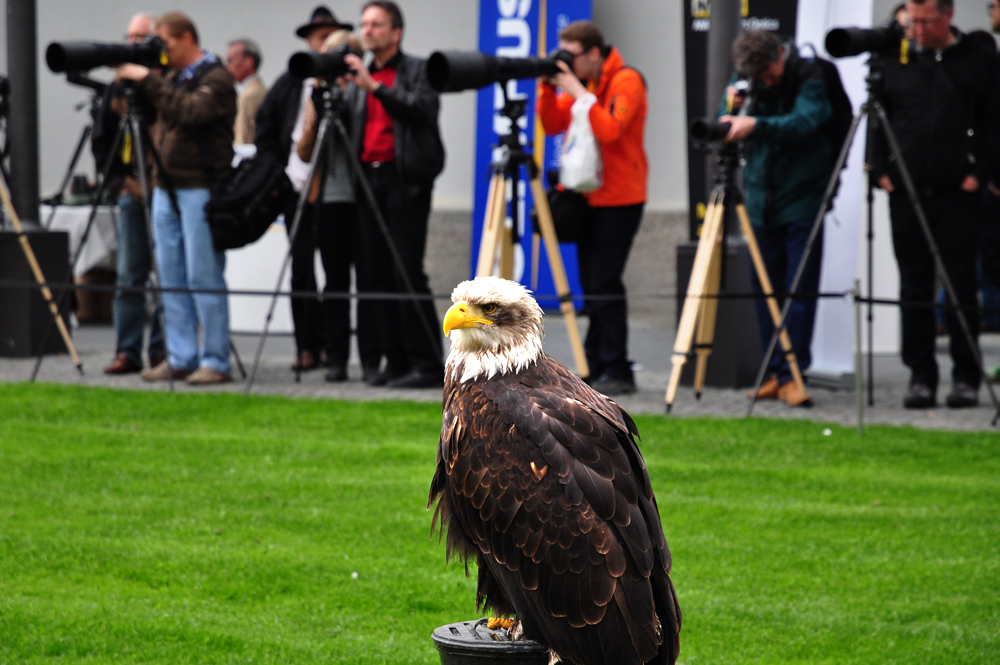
(499,622)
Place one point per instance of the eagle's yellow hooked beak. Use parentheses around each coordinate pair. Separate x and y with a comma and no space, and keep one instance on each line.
(463,315)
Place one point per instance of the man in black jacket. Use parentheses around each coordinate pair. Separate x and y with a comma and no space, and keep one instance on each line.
(941,96)
(394,116)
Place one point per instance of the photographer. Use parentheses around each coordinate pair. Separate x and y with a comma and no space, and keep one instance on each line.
(196,108)
(789,158)
(134,261)
(618,120)
(394,126)
(319,328)
(940,93)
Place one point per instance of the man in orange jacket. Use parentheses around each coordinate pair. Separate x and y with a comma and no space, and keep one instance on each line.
(618,120)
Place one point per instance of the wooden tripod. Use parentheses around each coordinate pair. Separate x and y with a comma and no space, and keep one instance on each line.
(496,237)
(39,277)
(701,303)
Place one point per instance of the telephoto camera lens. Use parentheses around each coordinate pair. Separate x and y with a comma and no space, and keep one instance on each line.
(455,71)
(884,40)
(82,56)
(703,129)
(306,64)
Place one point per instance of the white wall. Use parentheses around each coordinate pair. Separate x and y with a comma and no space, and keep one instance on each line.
(649,33)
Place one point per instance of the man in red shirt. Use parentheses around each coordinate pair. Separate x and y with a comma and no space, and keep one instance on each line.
(394,114)
(618,120)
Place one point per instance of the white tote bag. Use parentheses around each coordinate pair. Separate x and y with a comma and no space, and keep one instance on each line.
(580,166)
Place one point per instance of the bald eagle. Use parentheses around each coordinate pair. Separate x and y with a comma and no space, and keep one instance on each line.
(540,481)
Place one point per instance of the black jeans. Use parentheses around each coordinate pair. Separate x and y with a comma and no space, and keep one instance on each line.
(603,250)
(326,324)
(401,334)
(955,223)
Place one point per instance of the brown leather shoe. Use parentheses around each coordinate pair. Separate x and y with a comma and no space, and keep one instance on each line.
(122,364)
(791,395)
(305,362)
(162,372)
(204,376)
(768,389)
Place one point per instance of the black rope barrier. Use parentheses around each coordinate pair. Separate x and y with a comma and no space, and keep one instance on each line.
(388,296)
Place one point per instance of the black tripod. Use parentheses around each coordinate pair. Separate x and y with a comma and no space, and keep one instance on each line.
(94,103)
(873,105)
(332,101)
(132,134)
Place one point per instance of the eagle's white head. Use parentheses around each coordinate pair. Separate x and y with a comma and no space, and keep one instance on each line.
(497,328)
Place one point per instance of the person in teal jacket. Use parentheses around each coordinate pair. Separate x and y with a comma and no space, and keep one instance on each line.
(789,159)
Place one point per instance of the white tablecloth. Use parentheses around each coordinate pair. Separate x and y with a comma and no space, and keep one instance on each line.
(102,243)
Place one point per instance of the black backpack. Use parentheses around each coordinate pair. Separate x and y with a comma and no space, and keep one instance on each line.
(247,201)
(843,113)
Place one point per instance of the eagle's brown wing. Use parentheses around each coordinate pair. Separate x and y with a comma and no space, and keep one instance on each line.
(542,478)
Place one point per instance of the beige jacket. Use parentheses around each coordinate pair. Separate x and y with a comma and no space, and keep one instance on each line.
(247,103)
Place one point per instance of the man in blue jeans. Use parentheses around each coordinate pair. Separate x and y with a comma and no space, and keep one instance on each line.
(134,262)
(196,107)
(789,158)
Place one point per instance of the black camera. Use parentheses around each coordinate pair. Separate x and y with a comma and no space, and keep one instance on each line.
(740,99)
(331,64)
(454,71)
(884,40)
(82,56)
(703,129)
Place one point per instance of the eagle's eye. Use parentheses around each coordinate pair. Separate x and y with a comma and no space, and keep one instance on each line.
(489,308)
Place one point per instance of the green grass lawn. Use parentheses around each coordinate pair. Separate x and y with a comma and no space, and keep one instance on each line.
(217,528)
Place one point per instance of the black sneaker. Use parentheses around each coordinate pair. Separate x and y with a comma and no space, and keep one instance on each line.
(919,396)
(336,374)
(611,386)
(962,396)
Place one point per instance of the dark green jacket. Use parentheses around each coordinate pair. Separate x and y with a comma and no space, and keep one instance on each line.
(788,156)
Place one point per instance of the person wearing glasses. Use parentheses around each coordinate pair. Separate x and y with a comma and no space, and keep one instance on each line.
(940,93)
(618,120)
(129,310)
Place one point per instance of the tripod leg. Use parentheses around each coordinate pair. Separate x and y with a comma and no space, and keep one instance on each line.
(558,272)
(493,224)
(321,136)
(139,141)
(507,243)
(39,277)
(694,299)
(772,303)
(707,317)
(84,137)
(536,248)
(236,357)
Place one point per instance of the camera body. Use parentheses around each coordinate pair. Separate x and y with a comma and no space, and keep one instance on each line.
(884,40)
(455,71)
(739,101)
(83,56)
(329,65)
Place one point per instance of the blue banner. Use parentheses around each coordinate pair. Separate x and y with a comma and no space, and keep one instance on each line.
(519,29)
